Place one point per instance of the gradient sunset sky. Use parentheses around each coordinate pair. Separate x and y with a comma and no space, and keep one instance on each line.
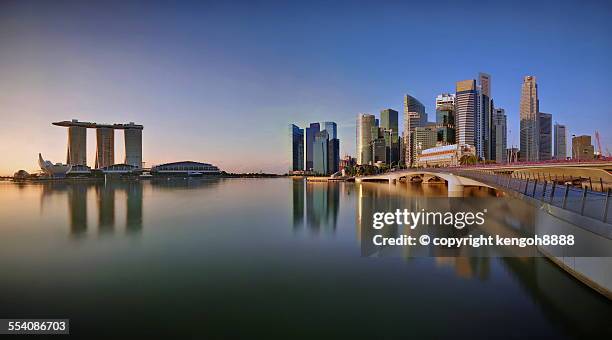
(220,81)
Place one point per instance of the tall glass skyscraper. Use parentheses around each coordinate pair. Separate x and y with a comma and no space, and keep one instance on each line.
(365,123)
(296,140)
(466,105)
(529,113)
(414,116)
(445,118)
(333,147)
(331,128)
(499,137)
(483,118)
(333,155)
(310,137)
(545,152)
(320,152)
(560,144)
(390,125)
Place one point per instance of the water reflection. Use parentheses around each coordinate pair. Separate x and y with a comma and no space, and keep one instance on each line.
(106,193)
(77,207)
(322,205)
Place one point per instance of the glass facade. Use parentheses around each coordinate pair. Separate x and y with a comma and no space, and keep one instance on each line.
(545,123)
(310,138)
(296,137)
(320,152)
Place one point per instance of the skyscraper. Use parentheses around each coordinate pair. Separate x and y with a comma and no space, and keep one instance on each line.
(483,118)
(560,144)
(296,140)
(499,136)
(466,105)
(425,137)
(333,155)
(529,113)
(414,116)
(545,147)
(133,144)
(365,122)
(310,137)
(582,149)
(105,147)
(333,147)
(332,129)
(77,145)
(390,125)
(445,118)
(320,152)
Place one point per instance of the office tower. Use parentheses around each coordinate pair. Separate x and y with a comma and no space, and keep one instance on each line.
(529,113)
(333,155)
(332,129)
(499,136)
(483,118)
(133,144)
(379,150)
(466,105)
(77,145)
(389,122)
(582,149)
(425,137)
(296,140)
(365,122)
(389,119)
(310,137)
(319,152)
(445,118)
(105,147)
(545,147)
(414,116)
(560,144)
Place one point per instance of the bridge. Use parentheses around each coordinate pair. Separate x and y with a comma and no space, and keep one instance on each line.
(455,183)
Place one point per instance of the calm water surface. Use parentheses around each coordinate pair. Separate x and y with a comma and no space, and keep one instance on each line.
(259,257)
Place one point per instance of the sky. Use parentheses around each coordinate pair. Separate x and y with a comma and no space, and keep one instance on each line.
(220,81)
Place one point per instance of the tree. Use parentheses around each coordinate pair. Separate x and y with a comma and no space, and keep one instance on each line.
(468,160)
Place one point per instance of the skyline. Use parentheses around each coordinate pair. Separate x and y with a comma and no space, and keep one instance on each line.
(183,72)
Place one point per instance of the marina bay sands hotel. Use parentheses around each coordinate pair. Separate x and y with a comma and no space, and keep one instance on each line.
(105,143)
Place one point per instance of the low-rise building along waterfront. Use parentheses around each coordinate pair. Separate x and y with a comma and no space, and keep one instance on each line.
(444,156)
(185,168)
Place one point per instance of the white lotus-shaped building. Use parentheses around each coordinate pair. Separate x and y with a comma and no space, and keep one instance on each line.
(53,170)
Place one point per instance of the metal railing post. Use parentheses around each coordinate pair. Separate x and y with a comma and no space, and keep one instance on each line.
(552,193)
(601,184)
(605,212)
(590,183)
(535,185)
(526,185)
(544,190)
(565,196)
(584,194)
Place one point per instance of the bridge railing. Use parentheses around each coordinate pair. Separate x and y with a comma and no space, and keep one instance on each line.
(584,201)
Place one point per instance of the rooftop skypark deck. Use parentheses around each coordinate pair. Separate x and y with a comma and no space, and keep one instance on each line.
(90,125)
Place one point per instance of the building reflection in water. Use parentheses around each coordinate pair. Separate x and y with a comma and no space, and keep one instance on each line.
(322,205)
(134,206)
(106,207)
(77,207)
(105,193)
(298,203)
